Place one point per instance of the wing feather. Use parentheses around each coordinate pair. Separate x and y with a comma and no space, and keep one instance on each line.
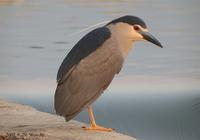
(82,49)
(88,79)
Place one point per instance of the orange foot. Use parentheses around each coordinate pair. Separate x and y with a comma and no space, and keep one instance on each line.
(96,127)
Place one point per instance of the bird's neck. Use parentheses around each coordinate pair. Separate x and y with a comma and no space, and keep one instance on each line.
(125,47)
(123,42)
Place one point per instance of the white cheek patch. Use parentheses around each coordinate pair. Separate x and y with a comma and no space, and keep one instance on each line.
(136,36)
(145,30)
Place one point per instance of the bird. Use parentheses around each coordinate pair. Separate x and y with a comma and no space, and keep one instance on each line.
(90,66)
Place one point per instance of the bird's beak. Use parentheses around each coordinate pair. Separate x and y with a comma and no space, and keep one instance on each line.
(149,37)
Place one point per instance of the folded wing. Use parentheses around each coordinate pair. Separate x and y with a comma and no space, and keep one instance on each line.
(85,80)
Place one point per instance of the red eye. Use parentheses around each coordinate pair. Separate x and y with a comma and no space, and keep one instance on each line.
(137,28)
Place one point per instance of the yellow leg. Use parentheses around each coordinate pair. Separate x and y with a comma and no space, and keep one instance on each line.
(93,125)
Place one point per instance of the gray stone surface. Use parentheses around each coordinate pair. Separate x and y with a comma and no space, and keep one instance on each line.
(23,122)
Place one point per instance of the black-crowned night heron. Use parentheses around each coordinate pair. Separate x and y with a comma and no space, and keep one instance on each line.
(93,62)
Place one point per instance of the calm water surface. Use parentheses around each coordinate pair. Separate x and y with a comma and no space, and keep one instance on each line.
(157,94)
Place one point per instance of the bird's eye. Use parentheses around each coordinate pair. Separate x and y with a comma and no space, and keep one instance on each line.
(136,27)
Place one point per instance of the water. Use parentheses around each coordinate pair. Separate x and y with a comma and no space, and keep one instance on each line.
(156,95)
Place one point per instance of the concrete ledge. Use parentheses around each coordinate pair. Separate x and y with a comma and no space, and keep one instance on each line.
(22,122)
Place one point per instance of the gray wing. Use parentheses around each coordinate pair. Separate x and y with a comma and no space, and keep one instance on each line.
(83,48)
(86,81)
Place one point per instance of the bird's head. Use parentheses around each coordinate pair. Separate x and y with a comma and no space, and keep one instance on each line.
(132,28)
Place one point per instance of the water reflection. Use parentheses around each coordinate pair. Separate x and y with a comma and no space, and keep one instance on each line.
(36,47)
(61,42)
(9,2)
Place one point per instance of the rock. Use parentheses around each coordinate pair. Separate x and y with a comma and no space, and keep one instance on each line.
(22,122)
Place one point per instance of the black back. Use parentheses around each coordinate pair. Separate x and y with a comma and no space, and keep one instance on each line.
(88,44)
(130,20)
